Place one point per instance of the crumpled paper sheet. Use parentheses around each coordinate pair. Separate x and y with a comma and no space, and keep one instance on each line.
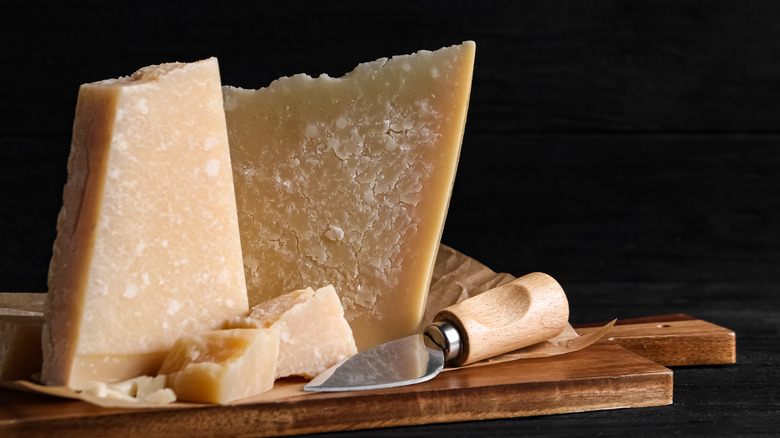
(455,278)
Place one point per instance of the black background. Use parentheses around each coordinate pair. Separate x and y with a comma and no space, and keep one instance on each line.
(631,149)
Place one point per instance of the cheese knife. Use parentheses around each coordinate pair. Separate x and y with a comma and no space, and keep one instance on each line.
(523,312)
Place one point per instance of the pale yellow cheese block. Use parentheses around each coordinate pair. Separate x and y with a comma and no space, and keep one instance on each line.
(147,241)
(347,181)
(223,365)
(20,346)
(313,332)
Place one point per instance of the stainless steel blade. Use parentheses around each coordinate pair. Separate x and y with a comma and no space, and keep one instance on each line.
(405,361)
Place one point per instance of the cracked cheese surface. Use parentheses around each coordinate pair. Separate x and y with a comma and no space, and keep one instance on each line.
(346,181)
(147,241)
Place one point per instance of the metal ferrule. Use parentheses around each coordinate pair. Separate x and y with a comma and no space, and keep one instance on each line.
(446,336)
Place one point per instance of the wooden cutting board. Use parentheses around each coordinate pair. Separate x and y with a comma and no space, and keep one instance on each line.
(605,375)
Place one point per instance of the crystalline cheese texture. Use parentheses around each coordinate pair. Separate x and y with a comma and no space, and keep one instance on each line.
(347,181)
(222,365)
(147,241)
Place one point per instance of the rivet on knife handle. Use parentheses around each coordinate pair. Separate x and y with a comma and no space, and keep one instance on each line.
(501,320)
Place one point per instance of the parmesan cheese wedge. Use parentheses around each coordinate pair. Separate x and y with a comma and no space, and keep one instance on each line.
(147,243)
(313,332)
(347,181)
(221,366)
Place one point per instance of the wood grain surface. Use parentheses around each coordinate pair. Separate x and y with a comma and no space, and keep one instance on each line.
(674,340)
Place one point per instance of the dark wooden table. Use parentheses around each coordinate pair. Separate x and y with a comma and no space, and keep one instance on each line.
(630,149)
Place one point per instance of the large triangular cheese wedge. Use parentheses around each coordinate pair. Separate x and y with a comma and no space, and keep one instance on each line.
(147,244)
(346,181)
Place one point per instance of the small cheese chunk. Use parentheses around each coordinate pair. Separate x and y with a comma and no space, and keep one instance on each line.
(223,365)
(313,332)
(142,389)
(347,181)
(20,346)
(147,241)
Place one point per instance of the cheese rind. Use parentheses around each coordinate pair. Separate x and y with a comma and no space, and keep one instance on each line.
(223,365)
(348,180)
(313,332)
(147,241)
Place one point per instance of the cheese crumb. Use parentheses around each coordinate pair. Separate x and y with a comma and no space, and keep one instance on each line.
(212,168)
(334,233)
(223,277)
(310,131)
(174,307)
(131,290)
(142,389)
(141,106)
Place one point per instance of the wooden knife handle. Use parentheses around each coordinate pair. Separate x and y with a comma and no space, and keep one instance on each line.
(528,310)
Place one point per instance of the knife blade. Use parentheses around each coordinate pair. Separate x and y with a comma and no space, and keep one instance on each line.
(525,311)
